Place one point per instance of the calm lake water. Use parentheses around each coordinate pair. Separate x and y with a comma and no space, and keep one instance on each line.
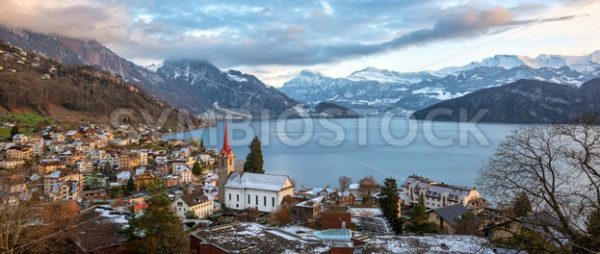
(315,152)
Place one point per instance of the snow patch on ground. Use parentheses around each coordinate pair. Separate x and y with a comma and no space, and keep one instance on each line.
(430,244)
(438,93)
(116,218)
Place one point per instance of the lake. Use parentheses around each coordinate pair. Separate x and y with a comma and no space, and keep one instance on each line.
(315,152)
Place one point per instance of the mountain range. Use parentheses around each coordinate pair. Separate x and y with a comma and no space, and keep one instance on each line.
(412,91)
(523,101)
(197,86)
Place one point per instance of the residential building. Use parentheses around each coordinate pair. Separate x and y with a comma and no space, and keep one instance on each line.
(184,172)
(20,139)
(343,198)
(11,164)
(195,202)
(19,153)
(435,194)
(58,138)
(13,189)
(308,210)
(206,159)
(128,160)
(84,166)
(47,166)
(63,184)
(37,145)
(143,158)
(446,218)
(335,217)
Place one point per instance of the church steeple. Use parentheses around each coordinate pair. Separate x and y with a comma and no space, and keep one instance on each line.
(226,163)
(226,150)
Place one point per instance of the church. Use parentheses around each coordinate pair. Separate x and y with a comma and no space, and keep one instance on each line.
(240,190)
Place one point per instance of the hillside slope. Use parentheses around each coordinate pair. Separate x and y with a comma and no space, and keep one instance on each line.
(30,82)
(524,101)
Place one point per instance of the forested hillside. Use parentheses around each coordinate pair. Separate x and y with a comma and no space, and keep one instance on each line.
(29,82)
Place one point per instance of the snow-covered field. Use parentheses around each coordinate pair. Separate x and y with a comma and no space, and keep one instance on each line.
(428,244)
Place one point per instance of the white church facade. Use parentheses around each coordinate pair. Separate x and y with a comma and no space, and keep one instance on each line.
(240,190)
(262,191)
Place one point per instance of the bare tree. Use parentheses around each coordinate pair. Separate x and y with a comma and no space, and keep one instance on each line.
(556,167)
(27,227)
(368,184)
(344,183)
(281,216)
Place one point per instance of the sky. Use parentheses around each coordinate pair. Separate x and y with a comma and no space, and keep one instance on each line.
(275,40)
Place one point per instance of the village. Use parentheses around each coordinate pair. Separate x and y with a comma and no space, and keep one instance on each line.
(103,173)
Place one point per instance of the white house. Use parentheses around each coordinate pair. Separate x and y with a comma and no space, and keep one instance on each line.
(20,139)
(262,191)
(206,158)
(184,172)
(196,202)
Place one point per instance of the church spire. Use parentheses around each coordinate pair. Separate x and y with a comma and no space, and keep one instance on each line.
(226,150)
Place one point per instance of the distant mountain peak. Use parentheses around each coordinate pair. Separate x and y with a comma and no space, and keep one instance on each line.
(388,76)
(585,63)
(309,73)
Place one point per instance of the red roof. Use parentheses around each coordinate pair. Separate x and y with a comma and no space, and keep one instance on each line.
(226,150)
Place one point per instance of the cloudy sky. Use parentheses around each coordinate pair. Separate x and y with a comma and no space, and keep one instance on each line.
(276,39)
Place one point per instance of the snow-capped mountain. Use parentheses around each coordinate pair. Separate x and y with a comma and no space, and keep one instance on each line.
(386,76)
(232,90)
(378,88)
(584,63)
(177,82)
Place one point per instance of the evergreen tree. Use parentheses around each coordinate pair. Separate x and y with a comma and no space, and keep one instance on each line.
(108,172)
(130,185)
(254,160)
(197,169)
(158,230)
(201,146)
(14,130)
(418,222)
(521,205)
(389,203)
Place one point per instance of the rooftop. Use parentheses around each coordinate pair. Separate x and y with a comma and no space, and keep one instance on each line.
(256,238)
(194,198)
(257,181)
(450,213)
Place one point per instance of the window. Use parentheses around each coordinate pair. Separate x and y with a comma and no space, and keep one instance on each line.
(257,200)
(179,203)
(237,197)
(273,202)
(229,196)
(248,198)
(265,201)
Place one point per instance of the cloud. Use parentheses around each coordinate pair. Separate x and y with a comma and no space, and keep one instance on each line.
(105,23)
(253,32)
(290,45)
